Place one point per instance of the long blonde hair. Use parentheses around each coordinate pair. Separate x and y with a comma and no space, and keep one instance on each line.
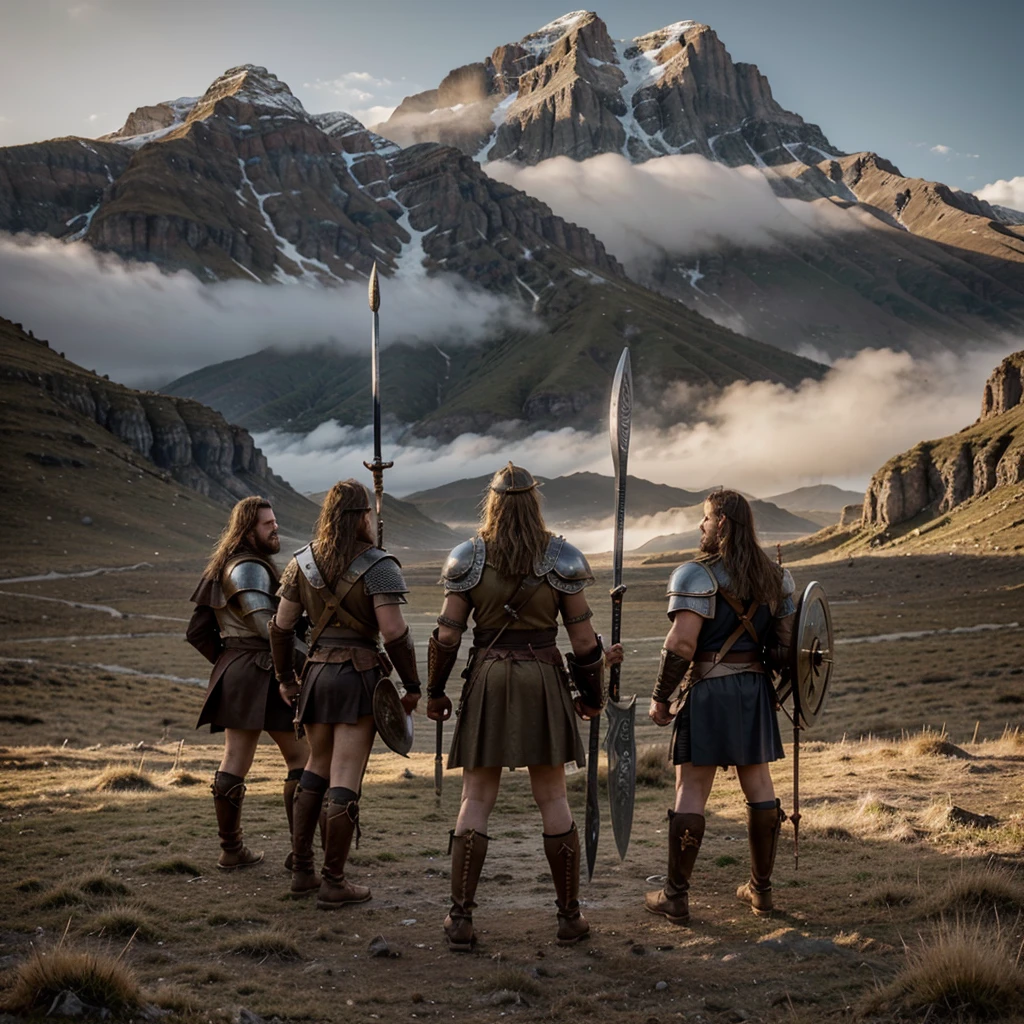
(753,575)
(511,524)
(243,520)
(338,536)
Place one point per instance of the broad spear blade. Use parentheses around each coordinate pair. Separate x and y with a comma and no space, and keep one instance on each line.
(376,467)
(620,742)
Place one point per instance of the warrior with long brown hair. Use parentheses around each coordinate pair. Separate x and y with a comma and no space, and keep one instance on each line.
(517,708)
(353,594)
(731,609)
(234,602)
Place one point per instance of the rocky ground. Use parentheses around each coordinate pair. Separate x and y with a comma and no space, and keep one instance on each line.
(908,837)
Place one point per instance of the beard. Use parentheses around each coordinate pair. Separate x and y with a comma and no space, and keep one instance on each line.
(270,546)
(708,544)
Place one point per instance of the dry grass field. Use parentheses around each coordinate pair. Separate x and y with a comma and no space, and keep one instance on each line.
(907,903)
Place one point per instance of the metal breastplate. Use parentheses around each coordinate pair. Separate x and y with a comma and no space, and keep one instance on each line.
(231,624)
(493,592)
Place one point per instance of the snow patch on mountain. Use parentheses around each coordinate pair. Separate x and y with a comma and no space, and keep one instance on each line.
(540,43)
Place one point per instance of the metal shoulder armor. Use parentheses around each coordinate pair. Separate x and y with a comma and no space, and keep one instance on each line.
(564,567)
(788,605)
(464,567)
(308,567)
(361,564)
(250,586)
(692,587)
(385,577)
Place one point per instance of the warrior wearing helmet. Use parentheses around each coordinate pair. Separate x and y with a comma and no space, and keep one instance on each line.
(353,593)
(234,602)
(731,610)
(517,708)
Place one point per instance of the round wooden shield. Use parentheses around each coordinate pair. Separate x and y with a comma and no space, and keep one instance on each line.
(811,655)
(393,724)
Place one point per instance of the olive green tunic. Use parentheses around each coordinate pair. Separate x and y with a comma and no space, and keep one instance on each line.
(516,707)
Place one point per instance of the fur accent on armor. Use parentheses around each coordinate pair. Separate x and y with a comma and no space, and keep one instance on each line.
(671,671)
(692,587)
(441,659)
(385,577)
(588,676)
(564,567)
(464,567)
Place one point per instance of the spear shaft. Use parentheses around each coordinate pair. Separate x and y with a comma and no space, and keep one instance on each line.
(378,466)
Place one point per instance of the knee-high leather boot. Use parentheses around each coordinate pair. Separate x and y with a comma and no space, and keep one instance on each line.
(228,793)
(763,827)
(685,834)
(306,816)
(563,853)
(290,785)
(341,823)
(468,852)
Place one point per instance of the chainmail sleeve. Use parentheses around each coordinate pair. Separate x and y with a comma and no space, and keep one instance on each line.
(384,582)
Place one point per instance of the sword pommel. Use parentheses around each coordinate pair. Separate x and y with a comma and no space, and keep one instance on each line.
(374,289)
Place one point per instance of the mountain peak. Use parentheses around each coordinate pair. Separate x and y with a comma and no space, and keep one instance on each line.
(250,83)
(540,42)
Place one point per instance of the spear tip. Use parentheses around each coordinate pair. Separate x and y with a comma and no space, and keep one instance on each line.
(374,289)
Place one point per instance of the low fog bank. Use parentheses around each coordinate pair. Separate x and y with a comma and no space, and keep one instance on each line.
(677,204)
(759,437)
(143,326)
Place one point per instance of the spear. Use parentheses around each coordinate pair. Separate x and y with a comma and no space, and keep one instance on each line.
(376,467)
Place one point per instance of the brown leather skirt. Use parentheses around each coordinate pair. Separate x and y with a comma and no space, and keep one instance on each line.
(334,693)
(517,711)
(243,694)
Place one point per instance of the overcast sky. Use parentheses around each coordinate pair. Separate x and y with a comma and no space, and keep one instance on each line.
(934,85)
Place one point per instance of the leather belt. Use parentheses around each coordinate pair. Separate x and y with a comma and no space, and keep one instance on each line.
(515,638)
(737,657)
(245,643)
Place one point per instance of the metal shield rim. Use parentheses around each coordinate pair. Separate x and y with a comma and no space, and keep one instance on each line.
(387,707)
(814,595)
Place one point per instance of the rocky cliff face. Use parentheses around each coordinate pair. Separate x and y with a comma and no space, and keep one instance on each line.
(569,89)
(182,438)
(939,475)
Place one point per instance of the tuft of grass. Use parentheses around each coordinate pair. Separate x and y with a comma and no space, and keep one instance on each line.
(102,885)
(123,779)
(98,979)
(511,979)
(962,971)
(929,743)
(263,943)
(653,768)
(176,999)
(991,892)
(126,920)
(891,893)
(176,866)
(180,777)
(573,1007)
(30,885)
(64,895)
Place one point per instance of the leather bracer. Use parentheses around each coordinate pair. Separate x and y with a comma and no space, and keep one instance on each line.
(588,676)
(402,653)
(670,674)
(282,650)
(441,659)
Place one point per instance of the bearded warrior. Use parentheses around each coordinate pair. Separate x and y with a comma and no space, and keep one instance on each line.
(353,593)
(234,601)
(517,707)
(731,611)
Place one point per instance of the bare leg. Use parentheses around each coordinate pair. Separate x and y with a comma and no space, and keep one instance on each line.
(351,750)
(294,751)
(321,748)
(479,794)
(239,750)
(693,787)
(548,784)
(756,782)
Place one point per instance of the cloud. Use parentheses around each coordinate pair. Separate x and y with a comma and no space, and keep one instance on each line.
(676,204)
(1004,193)
(366,97)
(941,149)
(760,437)
(143,326)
